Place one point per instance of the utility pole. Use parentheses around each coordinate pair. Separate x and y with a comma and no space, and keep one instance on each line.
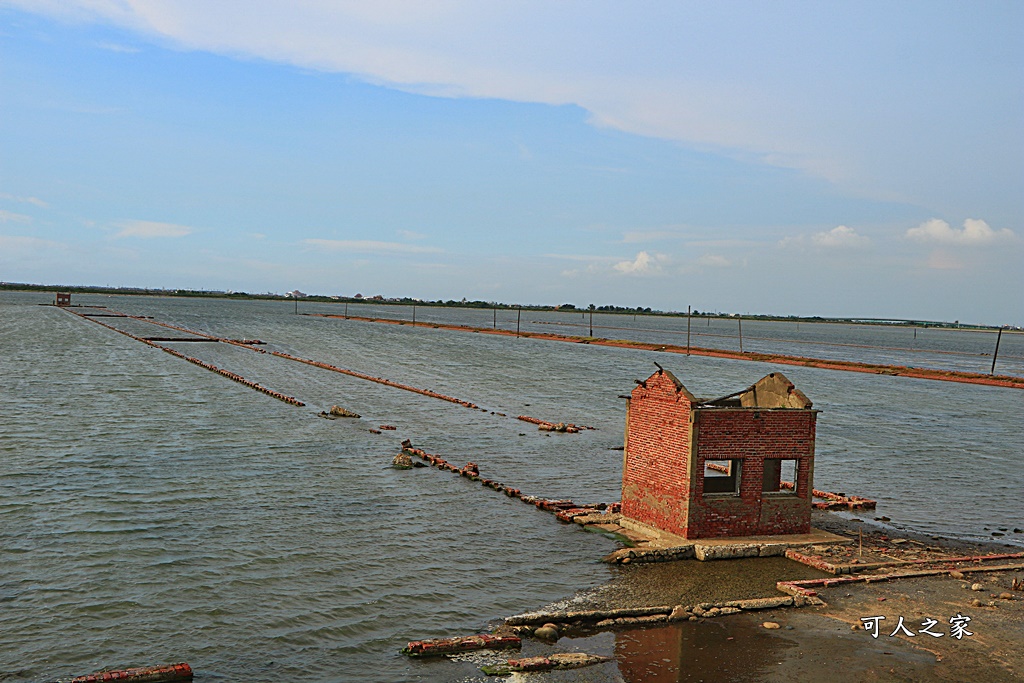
(687,330)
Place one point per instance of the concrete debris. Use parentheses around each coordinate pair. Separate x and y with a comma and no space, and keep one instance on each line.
(338,411)
(559,660)
(443,646)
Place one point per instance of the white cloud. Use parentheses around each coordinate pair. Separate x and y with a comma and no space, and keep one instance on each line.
(643,264)
(117,47)
(699,73)
(372,247)
(840,237)
(713,261)
(689,82)
(34,201)
(23,243)
(581,257)
(634,236)
(974,233)
(11,217)
(151,229)
(411,235)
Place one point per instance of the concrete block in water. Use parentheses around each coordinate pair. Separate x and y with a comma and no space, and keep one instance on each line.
(149,674)
(443,646)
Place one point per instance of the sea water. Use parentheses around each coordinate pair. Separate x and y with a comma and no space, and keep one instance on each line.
(152,511)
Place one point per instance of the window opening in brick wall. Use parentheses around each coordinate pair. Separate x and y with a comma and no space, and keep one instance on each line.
(780,476)
(722,476)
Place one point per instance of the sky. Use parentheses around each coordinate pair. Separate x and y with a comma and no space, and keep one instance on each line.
(794,158)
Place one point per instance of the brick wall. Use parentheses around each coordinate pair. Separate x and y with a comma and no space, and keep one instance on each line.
(655,478)
(668,440)
(752,436)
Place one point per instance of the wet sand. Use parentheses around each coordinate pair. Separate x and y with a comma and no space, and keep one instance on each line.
(826,642)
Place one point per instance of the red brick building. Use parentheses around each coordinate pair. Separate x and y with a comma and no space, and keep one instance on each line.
(710,468)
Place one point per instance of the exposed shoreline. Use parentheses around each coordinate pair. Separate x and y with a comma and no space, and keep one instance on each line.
(814,638)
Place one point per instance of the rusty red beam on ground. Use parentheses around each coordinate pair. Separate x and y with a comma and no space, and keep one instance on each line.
(805,587)
(783,340)
(1006,381)
(826,566)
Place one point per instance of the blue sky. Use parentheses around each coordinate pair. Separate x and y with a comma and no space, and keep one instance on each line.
(862,159)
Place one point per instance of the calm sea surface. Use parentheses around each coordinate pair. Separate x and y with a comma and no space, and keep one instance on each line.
(152,511)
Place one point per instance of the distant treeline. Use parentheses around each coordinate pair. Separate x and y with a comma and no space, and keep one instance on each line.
(464,303)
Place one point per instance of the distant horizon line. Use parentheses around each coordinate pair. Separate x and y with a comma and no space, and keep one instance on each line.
(296,296)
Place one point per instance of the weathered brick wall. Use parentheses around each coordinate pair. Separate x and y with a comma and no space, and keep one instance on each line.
(655,481)
(752,436)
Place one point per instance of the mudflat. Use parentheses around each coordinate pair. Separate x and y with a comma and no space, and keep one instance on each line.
(957,625)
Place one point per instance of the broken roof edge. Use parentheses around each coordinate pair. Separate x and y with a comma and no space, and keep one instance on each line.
(680,388)
(772,391)
(775,390)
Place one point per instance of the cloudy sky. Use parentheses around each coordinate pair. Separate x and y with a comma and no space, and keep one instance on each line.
(829,158)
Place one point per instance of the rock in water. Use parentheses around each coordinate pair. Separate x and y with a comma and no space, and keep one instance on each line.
(338,411)
(402,461)
(547,632)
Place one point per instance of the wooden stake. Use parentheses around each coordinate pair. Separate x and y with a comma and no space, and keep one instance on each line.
(346,309)
(519,316)
(414,315)
(494,323)
(740,320)
(996,352)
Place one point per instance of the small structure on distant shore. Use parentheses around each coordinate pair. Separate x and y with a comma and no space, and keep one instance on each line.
(701,468)
(62,299)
